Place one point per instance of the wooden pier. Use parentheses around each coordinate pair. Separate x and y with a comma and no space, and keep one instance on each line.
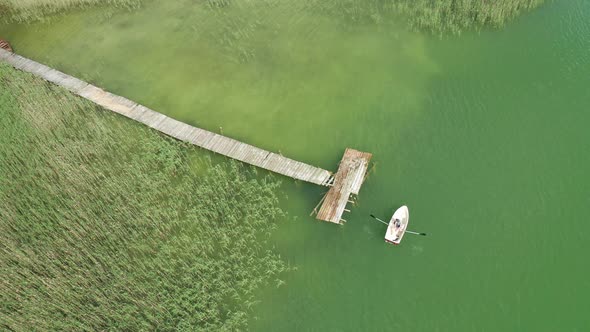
(347,181)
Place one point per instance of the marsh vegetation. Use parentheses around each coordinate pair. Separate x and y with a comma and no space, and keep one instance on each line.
(107,225)
(435,16)
(457,15)
(29,10)
(426,15)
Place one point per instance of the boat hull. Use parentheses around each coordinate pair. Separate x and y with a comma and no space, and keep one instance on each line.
(397,225)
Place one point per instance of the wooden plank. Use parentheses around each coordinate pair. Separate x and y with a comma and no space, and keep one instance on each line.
(204,139)
(151,118)
(222,145)
(36,68)
(210,143)
(180,130)
(157,120)
(15,60)
(236,151)
(5,54)
(215,143)
(313,176)
(199,136)
(184,132)
(231,152)
(192,134)
(310,174)
(255,157)
(71,83)
(300,171)
(137,111)
(223,148)
(317,175)
(167,126)
(242,152)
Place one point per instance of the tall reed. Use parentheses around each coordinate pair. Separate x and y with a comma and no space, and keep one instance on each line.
(436,16)
(29,10)
(457,15)
(107,225)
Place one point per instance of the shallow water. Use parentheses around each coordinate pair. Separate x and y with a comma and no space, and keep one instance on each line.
(484,136)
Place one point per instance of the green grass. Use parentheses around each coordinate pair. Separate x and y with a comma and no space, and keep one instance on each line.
(107,225)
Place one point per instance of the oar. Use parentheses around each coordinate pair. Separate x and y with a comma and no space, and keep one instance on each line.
(415,233)
(379,220)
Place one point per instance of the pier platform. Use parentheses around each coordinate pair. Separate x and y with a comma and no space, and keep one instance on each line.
(347,181)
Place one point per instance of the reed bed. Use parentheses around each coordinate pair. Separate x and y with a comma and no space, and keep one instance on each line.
(30,10)
(454,16)
(435,16)
(107,225)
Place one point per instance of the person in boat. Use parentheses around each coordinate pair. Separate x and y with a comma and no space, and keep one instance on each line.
(397,223)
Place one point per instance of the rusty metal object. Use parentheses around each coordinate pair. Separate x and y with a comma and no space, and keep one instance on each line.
(5,45)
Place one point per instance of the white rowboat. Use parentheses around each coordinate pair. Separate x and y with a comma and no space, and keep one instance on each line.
(397,225)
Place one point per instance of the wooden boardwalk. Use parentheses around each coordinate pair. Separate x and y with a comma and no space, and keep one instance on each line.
(207,140)
(347,181)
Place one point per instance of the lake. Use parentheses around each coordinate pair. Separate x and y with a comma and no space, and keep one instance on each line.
(484,136)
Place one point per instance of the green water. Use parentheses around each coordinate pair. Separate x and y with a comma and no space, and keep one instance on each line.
(484,136)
